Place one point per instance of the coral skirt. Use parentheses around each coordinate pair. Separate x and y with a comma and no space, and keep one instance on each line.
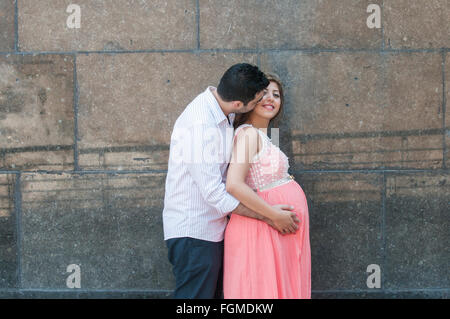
(261,263)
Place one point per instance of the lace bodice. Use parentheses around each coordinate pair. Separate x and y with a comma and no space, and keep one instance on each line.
(269,164)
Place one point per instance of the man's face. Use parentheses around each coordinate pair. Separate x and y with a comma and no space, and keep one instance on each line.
(251,105)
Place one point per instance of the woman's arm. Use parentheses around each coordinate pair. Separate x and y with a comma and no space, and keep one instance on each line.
(244,149)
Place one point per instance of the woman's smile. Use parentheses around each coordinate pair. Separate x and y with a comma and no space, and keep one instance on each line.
(269,107)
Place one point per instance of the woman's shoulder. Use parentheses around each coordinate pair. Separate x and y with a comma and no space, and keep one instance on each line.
(246,136)
(246,130)
(246,143)
(242,127)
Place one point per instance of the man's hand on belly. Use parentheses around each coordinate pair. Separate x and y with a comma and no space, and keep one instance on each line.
(244,211)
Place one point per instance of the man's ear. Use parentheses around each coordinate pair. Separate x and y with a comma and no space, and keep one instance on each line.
(237,105)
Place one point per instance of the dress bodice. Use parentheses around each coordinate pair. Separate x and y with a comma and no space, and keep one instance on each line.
(270,164)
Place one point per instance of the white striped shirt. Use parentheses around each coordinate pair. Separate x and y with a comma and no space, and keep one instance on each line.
(196,203)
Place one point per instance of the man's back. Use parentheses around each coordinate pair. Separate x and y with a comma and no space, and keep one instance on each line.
(196,202)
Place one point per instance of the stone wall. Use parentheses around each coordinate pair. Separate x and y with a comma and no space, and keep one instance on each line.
(86,116)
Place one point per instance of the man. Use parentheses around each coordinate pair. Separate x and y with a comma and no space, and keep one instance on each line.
(196,204)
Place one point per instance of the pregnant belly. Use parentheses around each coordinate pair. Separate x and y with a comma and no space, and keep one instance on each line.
(244,228)
(290,193)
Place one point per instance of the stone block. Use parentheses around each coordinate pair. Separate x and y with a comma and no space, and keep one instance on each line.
(417,230)
(36,112)
(345,214)
(416,24)
(108,25)
(383,294)
(87,294)
(360,110)
(129,103)
(7,25)
(286,24)
(447,115)
(108,225)
(8,242)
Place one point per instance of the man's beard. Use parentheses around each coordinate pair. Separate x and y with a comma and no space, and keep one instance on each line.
(245,109)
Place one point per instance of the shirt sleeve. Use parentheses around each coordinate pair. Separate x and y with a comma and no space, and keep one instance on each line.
(204,167)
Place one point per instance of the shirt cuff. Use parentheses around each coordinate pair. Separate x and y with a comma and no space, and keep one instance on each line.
(228,204)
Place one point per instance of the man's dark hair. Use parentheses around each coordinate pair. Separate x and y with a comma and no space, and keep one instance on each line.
(241,82)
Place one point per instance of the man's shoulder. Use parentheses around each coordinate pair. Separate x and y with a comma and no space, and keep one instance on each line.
(196,112)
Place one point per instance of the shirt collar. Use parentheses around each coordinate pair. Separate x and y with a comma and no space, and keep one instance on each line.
(215,109)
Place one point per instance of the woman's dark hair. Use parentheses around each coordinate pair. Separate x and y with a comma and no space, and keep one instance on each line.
(241,82)
(243,117)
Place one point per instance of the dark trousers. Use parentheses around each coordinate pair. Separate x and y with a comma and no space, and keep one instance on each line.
(197,266)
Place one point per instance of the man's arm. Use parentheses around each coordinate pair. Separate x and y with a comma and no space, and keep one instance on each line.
(245,211)
(205,171)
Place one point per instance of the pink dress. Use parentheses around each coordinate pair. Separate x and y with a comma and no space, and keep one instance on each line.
(259,262)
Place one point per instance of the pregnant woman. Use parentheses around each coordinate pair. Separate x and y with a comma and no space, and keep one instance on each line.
(259,261)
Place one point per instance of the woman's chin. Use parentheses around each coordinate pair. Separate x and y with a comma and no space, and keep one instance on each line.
(267,115)
(270,116)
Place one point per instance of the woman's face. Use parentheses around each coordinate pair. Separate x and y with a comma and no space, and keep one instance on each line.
(270,104)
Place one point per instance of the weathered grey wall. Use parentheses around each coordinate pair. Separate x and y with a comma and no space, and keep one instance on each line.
(86,116)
